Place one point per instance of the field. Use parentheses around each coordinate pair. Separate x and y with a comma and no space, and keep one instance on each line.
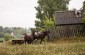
(62,46)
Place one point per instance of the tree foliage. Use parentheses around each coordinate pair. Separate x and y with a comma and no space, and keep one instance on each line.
(84,5)
(47,8)
(17,31)
(37,23)
(48,22)
(83,19)
(1,29)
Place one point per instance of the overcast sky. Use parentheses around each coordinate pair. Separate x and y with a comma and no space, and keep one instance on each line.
(21,13)
(76,4)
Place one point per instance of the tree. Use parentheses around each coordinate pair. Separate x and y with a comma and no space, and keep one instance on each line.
(7,30)
(47,8)
(84,5)
(1,29)
(1,32)
(37,23)
(83,19)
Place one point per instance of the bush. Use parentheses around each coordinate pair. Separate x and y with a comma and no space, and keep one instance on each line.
(7,37)
(83,19)
(48,22)
(1,34)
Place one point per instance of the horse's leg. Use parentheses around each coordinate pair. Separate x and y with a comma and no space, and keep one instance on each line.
(32,41)
(41,41)
(25,41)
(35,40)
(28,41)
(48,37)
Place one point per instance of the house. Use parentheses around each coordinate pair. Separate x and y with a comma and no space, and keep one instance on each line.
(69,23)
(68,17)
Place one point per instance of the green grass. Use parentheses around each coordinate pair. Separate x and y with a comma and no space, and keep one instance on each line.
(64,46)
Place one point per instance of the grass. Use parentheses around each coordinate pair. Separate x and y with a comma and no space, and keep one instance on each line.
(64,46)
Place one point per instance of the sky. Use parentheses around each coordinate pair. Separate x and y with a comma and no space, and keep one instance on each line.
(21,13)
(75,4)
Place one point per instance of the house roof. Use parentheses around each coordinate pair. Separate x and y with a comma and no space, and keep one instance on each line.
(67,17)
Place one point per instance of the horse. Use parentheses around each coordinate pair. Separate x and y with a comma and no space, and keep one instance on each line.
(40,35)
(28,38)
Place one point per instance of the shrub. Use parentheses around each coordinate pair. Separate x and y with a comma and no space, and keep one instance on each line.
(7,37)
(49,22)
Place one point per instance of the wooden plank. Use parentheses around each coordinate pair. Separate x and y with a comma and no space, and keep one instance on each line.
(17,41)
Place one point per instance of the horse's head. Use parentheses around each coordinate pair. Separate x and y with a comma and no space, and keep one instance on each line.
(33,33)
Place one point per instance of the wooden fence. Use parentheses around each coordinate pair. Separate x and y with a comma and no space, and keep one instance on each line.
(67,31)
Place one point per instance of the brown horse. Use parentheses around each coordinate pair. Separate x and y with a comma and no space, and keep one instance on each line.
(28,38)
(40,35)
